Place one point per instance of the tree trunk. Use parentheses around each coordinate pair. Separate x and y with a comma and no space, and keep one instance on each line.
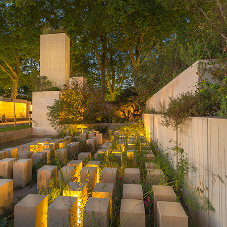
(14,88)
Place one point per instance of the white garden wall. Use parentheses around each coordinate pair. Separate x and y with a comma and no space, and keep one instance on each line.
(204,140)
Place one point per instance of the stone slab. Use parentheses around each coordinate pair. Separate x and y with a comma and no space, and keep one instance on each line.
(62,155)
(99,138)
(11,152)
(69,174)
(83,136)
(2,155)
(31,211)
(91,142)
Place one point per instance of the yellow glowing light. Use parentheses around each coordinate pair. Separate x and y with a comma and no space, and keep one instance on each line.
(7,108)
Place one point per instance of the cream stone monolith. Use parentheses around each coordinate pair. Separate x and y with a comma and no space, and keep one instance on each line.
(6,194)
(22,172)
(132,213)
(69,174)
(6,167)
(96,210)
(31,211)
(155,176)
(109,175)
(36,157)
(99,138)
(63,212)
(132,175)
(44,176)
(89,175)
(83,155)
(132,191)
(171,214)
(62,155)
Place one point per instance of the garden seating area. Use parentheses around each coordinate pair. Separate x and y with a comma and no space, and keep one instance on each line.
(83,181)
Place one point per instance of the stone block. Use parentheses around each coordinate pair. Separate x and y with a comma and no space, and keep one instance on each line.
(106,146)
(162,193)
(83,136)
(49,146)
(131,140)
(103,190)
(116,134)
(72,148)
(171,214)
(132,213)
(131,146)
(11,152)
(91,142)
(63,212)
(99,138)
(54,143)
(62,155)
(50,154)
(44,176)
(109,175)
(2,155)
(132,175)
(155,176)
(149,157)
(6,167)
(69,174)
(96,210)
(130,154)
(6,194)
(83,155)
(31,211)
(151,165)
(22,172)
(78,165)
(132,191)
(118,156)
(36,148)
(25,155)
(36,157)
(96,140)
(93,163)
(89,175)
(90,135)
(62,145)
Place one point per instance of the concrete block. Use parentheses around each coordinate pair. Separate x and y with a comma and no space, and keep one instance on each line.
(151,165)
(91,142)
(22,172)
(6,194)
(155,176)
(11,152)
(118,156)
(90,135)
(2,155)
(96,140)
(54,143)
(25,155)
(132,175)
(36,148)
(132,213)
(83,155)
(106,146)
(50,154)
(116,134)
(49,146)
(171,214)
(149,157)
(131,146)
(162,193)
(72,148)
(62,145)
(6,167)
(44,176)
(37,156)
(99,138)
(109,175)
(63,212)
(96,211)
(31,211)
(131,140)
(62,155)
(83,136)
(69,174)
(103,190)
(93,163)
(89,175)
(78,165)
(132,191)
